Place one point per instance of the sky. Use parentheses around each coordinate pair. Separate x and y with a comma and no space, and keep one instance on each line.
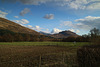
(53,16)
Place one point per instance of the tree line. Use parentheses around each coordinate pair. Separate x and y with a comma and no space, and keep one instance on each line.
(92,36)
(9,36)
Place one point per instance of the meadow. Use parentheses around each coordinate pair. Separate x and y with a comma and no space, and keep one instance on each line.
(39,54)
(45,43)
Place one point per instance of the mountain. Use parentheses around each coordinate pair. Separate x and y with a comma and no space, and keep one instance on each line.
(64,34)
(14,27)
(47,34)
(17,28)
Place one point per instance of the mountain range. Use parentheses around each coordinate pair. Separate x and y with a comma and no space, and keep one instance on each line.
(17,28)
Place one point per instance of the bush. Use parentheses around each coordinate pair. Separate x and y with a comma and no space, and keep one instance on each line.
(89,56)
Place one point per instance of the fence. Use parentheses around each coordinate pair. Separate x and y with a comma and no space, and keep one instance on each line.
(63,59)
(58,60)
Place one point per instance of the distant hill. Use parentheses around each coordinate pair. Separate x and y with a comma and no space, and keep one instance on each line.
(64,34)
(47,34)
(14,27)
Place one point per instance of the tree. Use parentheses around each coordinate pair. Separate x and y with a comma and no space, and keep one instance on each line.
(27,37)
(94,32)
(95,36)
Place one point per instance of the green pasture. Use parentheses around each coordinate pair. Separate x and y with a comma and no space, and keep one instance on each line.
(46,43)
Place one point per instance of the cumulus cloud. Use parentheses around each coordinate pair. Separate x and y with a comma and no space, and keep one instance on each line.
(3,14)
(22,21)
(37,28)
(16,16)
(86,23)
(25,11)
(49,16)
(76,25)
(74,4)
(55,30)
(89,22)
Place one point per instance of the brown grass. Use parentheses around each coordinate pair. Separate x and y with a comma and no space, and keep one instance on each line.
(29,56)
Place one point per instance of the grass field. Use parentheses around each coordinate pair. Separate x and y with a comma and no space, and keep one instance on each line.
(45,43)
(39,54)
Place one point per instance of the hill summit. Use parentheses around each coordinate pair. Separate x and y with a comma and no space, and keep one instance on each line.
(64,34)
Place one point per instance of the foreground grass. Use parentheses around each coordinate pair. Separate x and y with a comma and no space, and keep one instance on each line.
(36,54)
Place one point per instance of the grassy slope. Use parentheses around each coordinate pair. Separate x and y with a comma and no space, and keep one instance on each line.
(12,26)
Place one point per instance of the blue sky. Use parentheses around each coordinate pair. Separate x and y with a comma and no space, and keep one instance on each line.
(53,16)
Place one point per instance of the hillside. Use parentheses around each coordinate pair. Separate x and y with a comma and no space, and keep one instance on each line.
(12,26)
(64,34)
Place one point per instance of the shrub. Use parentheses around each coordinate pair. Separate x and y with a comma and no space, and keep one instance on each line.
(89,56)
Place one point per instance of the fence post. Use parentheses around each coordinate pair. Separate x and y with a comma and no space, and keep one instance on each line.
(40,61)
(62,57)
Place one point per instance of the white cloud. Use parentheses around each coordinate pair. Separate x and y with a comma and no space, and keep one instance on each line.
(37,28)
(49,16)
(74,4)
(89,22)
(55,30)
(84,4)
(77,31)
(16,16)
(82,26)
(88,18)
(3,14)
(86,23)
(78,4)
(74,30)
(29,26)
(25,11)
(94,6)
(66,23)
(46,31)
(22,21)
